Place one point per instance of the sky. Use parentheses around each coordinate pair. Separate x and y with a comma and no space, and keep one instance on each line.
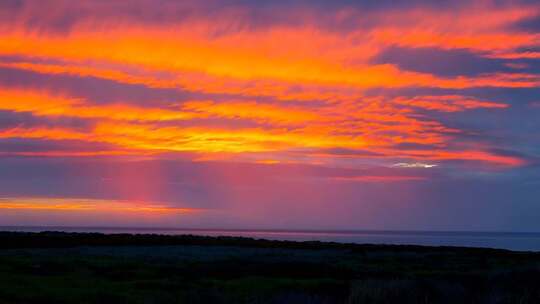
(255,114)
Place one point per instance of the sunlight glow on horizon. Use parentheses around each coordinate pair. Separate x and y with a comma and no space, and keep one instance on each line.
(87,205)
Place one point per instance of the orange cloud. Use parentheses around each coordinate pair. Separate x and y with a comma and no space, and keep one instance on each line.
(195,58)
(316,79)
(253,110)
(86,205)
(375,125)
(44,133)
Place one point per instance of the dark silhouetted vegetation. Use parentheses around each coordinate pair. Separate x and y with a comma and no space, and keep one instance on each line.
(54,267)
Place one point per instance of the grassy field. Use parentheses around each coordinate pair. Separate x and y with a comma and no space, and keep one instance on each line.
(96,268)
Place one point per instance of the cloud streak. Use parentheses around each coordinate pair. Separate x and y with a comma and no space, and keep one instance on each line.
(85,205)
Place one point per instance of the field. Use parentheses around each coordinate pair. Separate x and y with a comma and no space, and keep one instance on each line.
(61,268)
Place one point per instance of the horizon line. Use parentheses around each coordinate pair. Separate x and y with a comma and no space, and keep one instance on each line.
(264,230)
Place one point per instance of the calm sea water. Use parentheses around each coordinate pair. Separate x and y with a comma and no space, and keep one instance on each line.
(505,240)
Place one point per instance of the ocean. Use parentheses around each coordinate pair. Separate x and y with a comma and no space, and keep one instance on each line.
(520,241)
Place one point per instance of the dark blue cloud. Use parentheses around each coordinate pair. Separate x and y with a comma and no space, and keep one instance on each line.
(17,145)
(531,24)
(10,120)
(496,128)
(413,146)
(450,63)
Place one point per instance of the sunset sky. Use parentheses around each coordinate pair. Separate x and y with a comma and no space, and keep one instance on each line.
(417,115)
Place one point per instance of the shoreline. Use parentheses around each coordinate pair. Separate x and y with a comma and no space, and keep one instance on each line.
(517,242)
(62,239)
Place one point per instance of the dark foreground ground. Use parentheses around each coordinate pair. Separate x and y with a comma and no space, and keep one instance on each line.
(95,268)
